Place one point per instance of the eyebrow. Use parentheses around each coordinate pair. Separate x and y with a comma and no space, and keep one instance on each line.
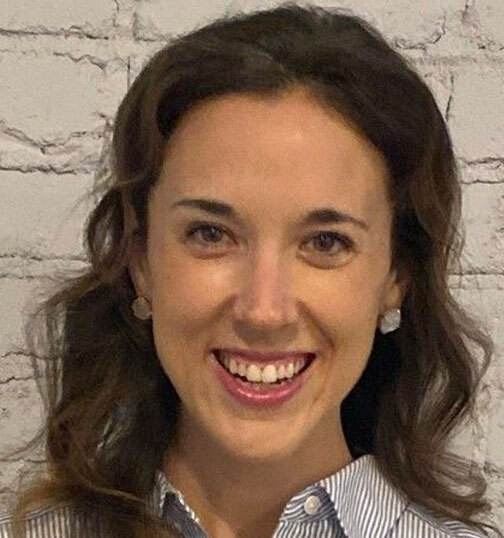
(322,215)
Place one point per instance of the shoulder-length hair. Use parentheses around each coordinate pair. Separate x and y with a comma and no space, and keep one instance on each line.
(111,408)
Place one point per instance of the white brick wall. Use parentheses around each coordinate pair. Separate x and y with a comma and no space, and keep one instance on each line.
(65,66)
(90,19)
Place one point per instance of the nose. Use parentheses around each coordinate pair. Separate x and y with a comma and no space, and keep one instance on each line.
(265,298)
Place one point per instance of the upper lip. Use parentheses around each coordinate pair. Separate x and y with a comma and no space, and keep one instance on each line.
(270,356)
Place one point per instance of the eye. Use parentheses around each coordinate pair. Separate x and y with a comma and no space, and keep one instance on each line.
(211,234)
(327,239)
(208,231)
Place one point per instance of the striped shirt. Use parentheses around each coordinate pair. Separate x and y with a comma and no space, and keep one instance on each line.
(355,502)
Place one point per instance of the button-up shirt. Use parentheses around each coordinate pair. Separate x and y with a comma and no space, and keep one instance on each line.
(355,502)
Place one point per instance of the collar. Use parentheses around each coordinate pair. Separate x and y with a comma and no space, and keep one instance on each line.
(363,500)
(164,493)
(366,503)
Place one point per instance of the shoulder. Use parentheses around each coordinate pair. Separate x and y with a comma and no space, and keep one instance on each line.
(417,520)
(52,522)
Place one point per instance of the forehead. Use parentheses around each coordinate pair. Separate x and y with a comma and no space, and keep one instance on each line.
(287,148)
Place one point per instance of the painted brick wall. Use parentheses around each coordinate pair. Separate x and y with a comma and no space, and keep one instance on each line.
(65,64)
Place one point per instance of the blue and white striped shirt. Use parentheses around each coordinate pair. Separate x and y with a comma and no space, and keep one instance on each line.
(355,502)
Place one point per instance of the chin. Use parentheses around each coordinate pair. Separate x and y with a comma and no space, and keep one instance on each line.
(259,453)
(259,444)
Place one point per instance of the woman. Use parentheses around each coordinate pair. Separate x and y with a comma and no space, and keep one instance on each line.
(265,344)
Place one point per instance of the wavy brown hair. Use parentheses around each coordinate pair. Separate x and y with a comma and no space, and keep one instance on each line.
(111,410)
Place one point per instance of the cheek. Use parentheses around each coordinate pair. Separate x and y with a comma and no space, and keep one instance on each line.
(351,300)
(183,305)
(351,325)
(184,292)
(349,315)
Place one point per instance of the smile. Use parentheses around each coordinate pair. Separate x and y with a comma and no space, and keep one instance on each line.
(261,384)
(260,373)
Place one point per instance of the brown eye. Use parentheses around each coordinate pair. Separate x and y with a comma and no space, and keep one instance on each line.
(327,239)
(209,234)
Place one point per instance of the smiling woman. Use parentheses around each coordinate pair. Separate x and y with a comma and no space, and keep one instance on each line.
(264,293)
(266,344)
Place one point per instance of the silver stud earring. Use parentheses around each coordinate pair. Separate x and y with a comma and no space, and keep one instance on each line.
(141,308)
(390,320)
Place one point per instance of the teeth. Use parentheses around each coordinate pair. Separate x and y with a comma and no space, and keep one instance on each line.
(253,373)
(268,374)
(242,369)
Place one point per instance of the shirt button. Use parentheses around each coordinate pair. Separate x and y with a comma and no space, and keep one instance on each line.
(311,505)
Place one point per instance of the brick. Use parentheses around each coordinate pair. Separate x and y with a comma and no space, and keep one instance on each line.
(477,112)
(17,365)
(495,495)
(17,266)
(52,100)
(405,24)
(76,154)
(10,476)
(483,297)
(20,413)
(496,424)
(484,20)
(156,19)
(483,215)
(439,81)
(52,216)
(489,171)
(18,298)
(93,18)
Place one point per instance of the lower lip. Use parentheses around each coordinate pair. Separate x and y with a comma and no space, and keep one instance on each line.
(245,394)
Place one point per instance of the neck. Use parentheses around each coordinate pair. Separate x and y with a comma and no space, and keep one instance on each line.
(236,496)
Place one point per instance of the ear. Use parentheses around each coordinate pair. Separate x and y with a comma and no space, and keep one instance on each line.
(395,289)
(138,267)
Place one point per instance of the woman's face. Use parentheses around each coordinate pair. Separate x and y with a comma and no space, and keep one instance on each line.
(261,277)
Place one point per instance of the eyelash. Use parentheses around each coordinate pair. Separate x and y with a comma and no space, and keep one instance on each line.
(346,243)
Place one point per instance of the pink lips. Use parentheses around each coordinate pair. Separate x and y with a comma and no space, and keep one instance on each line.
(245,393)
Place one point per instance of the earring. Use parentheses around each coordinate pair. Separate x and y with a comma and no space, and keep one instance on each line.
(390,320)
(141,308)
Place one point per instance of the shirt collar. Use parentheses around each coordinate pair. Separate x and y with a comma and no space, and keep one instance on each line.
(164,493)
(364,500)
